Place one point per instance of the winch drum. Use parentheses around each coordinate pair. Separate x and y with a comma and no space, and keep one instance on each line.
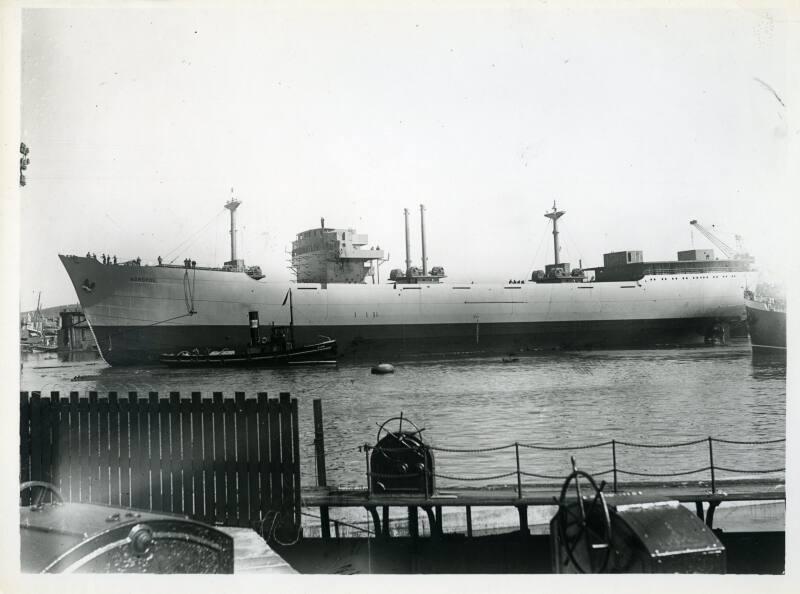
(401,462)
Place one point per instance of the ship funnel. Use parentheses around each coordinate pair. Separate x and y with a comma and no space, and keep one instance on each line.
(232,205)
(408,244)
(254,338)
(422,225)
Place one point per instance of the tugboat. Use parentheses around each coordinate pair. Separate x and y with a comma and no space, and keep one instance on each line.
(766,321)
(276,349)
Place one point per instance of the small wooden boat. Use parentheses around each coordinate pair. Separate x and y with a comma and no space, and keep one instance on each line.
(272,354)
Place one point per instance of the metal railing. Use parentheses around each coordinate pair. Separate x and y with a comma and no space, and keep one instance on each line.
(616,470)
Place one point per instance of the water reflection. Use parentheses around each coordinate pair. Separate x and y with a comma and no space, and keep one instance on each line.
(769,365)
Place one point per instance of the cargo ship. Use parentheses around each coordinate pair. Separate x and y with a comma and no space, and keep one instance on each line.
(766,323)
(137,311)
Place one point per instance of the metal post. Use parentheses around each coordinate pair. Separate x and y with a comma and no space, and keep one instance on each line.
(426,474)
(319,444)
(519,476)
(711,461)
(369,470)
(322,480)
(614,459)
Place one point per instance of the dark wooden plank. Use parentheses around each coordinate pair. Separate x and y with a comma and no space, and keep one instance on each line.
(287,495)
(74,447)
(154,450)
(36,436)
(219,457)
(53,422)
(94,444)
(264,492)
(46,440)
(83,448)
(274,455)
(124,454)
(139,497)
(296,461)
(242,476)
(113,448)
(166,455)
(197,455)
(61,460)
(176,461)
(24,443)
(209,497)
(230,463)
(251,413)
(187,477)
(104,451)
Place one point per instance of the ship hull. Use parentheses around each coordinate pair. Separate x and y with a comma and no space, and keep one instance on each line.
(410,341)
(137,313)
(767,327)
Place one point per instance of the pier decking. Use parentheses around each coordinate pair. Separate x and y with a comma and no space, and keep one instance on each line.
(698,493)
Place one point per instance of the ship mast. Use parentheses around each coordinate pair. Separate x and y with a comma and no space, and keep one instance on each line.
(232,205)
(408,244)
(554,216)
(422,226)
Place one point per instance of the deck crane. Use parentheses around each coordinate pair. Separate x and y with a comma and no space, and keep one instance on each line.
(730,253)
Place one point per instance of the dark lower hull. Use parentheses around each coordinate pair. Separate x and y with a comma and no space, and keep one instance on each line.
(143,345)
(767,329)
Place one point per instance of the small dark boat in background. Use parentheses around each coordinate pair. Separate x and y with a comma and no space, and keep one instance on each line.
(766,322)
(275,350)
(274,353)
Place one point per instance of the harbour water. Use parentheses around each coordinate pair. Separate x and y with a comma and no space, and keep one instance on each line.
(658,396)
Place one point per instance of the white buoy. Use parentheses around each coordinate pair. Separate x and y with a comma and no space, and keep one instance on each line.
(383,368)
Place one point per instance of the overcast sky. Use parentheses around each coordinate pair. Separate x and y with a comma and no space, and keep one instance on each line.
(635,120)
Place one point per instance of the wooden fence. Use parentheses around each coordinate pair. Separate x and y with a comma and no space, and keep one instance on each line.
(232,461)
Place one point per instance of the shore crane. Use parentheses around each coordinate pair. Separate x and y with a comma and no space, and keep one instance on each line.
(730,253)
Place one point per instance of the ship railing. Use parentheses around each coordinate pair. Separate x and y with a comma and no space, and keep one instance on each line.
(619,466)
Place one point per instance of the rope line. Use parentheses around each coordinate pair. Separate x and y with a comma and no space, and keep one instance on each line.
(665,445)
(565,448)
(560,476)
(705,469)
(471,451)
(750,471)
(601,444)
(749,442)
(478,478)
